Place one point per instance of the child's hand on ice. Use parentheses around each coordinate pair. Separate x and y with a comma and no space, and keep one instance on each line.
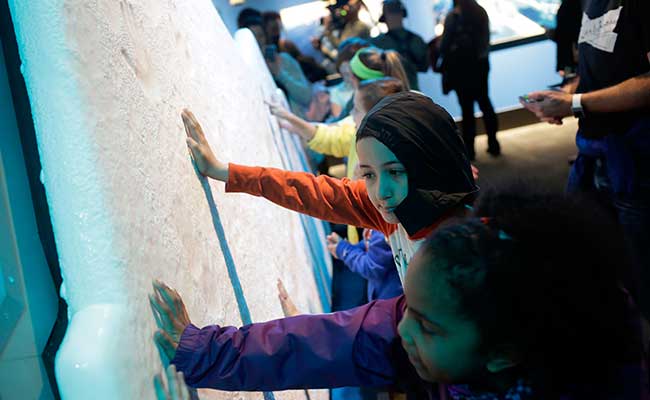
(333,240)
(171,317)
(204,158)
(292,122)
(279,111)
(288,307)
(176,389)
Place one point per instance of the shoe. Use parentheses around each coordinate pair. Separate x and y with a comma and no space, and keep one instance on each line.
(494,148)
(572,159)
(495,152)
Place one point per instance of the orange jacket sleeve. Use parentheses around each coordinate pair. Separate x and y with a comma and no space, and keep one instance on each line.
(340,201)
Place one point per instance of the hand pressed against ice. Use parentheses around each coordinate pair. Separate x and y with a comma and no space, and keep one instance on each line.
(292,122)
(206,162)
(176,389)
(333,240)
(278,110)
(171,317)
(288,306)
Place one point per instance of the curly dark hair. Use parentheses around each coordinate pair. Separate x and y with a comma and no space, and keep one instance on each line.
(541,277)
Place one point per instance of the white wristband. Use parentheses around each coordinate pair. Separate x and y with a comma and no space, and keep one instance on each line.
(576,105)
(576,101)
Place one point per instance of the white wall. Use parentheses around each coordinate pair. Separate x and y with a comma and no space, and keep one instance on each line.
(107,81)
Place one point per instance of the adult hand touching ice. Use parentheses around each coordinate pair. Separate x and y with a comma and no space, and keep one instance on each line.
(206,162)
(171,317)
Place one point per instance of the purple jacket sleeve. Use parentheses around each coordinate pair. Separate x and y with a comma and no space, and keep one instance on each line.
(347,348)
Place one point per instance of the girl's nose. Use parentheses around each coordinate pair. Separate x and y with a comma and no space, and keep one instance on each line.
(384,189)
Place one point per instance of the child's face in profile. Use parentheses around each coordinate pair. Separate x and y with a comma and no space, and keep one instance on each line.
(385,176)
(442,345)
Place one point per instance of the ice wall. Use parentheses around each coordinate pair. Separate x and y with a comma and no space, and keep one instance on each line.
(107,80)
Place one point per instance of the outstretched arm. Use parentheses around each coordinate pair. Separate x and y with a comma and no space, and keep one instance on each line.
(371,264)
(335,139)
(349,348)
(338,201)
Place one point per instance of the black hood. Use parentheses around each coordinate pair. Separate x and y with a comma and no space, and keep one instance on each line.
(424,137)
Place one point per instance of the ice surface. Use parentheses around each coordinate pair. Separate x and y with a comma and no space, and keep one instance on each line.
(107,80)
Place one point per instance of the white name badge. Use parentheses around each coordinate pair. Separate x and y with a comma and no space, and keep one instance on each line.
(599,32)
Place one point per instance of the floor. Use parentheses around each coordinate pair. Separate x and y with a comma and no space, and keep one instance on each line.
(538,152)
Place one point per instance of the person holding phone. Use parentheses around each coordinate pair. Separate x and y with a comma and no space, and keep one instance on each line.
(612,104)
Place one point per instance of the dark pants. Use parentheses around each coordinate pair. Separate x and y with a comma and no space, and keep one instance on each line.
(632,211)
(475,90)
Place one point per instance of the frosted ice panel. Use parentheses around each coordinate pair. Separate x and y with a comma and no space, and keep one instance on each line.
(107,80)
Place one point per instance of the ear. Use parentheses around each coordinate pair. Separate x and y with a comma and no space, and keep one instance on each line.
(502,360)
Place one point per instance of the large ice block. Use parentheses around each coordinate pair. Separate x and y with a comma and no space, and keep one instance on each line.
(107,80)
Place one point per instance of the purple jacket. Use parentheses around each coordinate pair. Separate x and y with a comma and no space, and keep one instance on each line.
(373,260)
(357,347)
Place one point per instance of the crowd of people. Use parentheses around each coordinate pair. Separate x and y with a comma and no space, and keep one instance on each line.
(513,293)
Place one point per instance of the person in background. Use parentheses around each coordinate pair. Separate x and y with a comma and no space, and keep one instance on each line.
(372,259)
(337,139)
(464,48)
(272,23)
(565,35)
(342,93)
(612,104)
(408,44)
(342,23)
(284,68)
(320,107)
(252,19)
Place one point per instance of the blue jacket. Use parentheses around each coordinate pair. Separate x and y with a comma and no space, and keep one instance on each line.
(373,260)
